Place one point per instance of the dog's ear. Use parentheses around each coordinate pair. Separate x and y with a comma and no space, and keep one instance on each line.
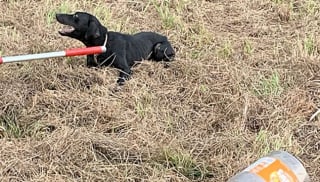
(93,30)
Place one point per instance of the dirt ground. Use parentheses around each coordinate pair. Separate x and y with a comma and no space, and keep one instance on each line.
(245,82)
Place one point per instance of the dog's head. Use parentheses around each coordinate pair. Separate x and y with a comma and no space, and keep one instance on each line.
(163,52)
(80,25)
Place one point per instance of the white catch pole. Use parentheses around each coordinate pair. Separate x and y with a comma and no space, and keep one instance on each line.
(65,53)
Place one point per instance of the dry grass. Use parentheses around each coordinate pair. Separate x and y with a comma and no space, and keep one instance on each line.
(246,82)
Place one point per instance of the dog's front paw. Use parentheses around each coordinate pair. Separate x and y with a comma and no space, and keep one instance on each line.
(91,62)
(166,65)
(121,81)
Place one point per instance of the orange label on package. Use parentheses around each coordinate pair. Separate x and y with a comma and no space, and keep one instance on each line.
(272,170)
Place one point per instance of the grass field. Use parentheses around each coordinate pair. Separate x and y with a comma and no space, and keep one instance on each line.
(245,82)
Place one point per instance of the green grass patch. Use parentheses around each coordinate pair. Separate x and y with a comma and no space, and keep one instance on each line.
(140,109)
(143,104)
(269,86)
(198,35)
(311,7)
(309,45)
(266,142)
(184,164)
(248,47)
(122,26)
(204,88)
(225,51)
(103,13)
(63,8)
(196,54)
(9,127)
(168,17)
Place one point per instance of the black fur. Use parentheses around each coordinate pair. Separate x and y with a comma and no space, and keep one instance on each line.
(122,49)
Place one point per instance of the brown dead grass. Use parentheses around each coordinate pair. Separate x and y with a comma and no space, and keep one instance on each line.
(246,82)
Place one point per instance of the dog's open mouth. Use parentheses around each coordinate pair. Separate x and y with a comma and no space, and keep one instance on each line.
(66,29)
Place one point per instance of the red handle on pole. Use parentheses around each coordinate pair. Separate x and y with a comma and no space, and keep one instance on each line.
(86,51)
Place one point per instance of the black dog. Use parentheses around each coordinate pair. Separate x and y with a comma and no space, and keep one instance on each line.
(122,49)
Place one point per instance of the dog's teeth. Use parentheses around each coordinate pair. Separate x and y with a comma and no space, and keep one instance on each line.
(67,29)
